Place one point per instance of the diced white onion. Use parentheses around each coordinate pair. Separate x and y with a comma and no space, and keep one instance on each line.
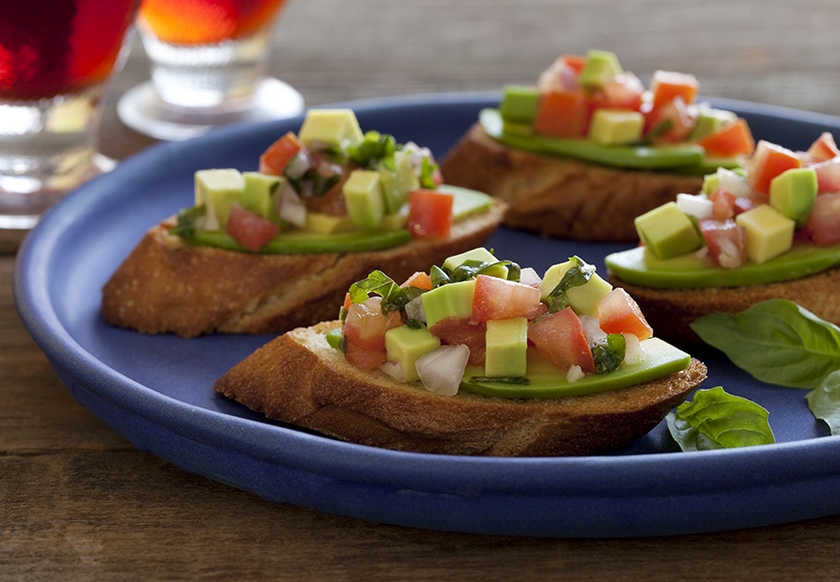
(393,369)
(292,207)
(298,165)
(530,277)
(696,205)
(592,329)
(414,309)
(733,183)
(442,369)
(574,374)
(633,353)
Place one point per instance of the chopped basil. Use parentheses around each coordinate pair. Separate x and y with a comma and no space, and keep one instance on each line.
(187,219)
(609,353)
(473,268)
(427,173)
(375,147)
(515,380)
(438,276)
(394,297)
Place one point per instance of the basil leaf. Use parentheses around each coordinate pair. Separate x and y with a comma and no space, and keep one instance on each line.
(187,221)
(715,419)
(427,173)
(438,276)
(473,268)
(609,353)
(393,296)
(824,401)
(577,275)
(776,341)
(374,147)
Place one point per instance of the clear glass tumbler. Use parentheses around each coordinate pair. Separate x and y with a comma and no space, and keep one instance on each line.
(56,58)
(208,62)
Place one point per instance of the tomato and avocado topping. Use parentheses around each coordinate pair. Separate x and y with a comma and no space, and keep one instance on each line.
(777,219)
(589,108)
(330,188)
(488,326)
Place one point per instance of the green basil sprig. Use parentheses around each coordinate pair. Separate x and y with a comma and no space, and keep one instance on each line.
(715,419)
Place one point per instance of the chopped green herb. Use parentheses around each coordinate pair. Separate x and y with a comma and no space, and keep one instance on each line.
(609,353)
(579,274)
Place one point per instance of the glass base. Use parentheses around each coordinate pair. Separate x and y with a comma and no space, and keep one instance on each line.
(142,110)
(21,211)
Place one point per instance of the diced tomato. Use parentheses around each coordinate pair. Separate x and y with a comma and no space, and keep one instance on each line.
(560,339)
(562,114)
(619,313)
(429,213)
(363,359)
(276,157)
(675,116)
(733,139)
(563,74)
(624,91)
(768,161)
(744,203)
(726,242)
(365,324)
(823,224)
(250,229)
(347,301)
(420,279)
(667,86)
(824,148)
(575,62)
(496,298)
(462,331)
(723,204)
(828,175)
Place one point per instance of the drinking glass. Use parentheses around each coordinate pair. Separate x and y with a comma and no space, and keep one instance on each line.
(56,59)
(208,60)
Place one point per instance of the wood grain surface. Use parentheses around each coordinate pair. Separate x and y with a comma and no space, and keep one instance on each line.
(78,502)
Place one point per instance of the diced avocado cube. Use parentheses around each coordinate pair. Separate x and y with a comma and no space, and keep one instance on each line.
(616,126)
(769,232)
(397,183)
(793,193)
(507,347)
(405,345)
(259,194)
(328,224)
(667,232)
(710,120)
(363,198)
(450,300)
(601,67)
(583,299)
(218,189)
(324,128)
(478,254)
(519,104)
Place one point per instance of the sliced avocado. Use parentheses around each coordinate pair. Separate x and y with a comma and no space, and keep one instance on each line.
(507,347)
(479,254)
(769,232)
(337,128)
(667,231)
(793,193)
(450,300)
(583,299)
(640,267)
(398,182)
(546,381)
(363,198)
(600,68)
(218,189)
(259,194)
(466,202)
(519,104)
(405,345)
(616,126)
(299,242)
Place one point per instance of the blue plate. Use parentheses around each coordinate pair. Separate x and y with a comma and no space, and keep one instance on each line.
(157,391)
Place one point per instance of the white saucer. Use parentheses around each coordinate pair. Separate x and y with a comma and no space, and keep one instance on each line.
(141,109)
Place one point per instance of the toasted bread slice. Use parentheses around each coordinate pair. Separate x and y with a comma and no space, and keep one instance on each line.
(299,379)
(561,197)
(167,285)
(671,311)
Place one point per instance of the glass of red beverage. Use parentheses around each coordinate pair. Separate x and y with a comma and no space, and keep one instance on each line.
(56,59)
(208,68)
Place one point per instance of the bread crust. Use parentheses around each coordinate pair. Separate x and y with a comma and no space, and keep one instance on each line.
(168,285)
(671,311)
(299,379)
(561,197)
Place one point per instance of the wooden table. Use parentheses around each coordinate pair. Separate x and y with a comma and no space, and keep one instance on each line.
(78,502)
